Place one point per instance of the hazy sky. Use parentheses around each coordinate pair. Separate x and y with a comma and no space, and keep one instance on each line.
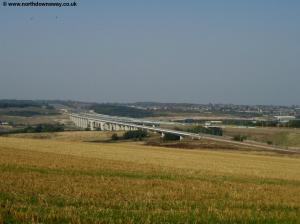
(242,52)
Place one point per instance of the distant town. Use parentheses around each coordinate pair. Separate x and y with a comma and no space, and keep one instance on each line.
(242,110)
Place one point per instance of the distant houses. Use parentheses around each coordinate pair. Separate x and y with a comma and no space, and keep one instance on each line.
(2,123)
(213,123)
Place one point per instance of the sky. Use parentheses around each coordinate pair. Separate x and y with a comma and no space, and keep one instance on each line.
(193,51)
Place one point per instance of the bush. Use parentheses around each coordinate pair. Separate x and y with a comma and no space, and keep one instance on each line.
(171,137)
(215,131)
(45,128)
(239,138)
(210,130)
(294,124)
(114,137)
(138,134)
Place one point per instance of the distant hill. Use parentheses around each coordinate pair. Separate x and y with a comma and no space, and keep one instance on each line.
(120,110)
(20,103)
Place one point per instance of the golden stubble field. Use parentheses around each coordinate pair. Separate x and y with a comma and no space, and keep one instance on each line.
(60,181)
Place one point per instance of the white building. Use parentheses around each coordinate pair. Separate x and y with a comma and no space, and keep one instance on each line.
(212,123)
(284,119)
(4,123)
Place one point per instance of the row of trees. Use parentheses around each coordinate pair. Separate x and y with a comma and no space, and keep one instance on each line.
(20,103)
(120,110)
(137,135)
(210,130)
(294,124)
(271,123)
(40,128)
(28,113)
(44,128)
(140,135)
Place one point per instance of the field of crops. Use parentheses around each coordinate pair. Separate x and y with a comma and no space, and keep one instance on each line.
(61,181)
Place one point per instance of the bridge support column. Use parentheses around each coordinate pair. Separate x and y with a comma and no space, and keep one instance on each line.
(101,126)
(91,123)
(80,122)
(111,127)
(85,123)
(97,125)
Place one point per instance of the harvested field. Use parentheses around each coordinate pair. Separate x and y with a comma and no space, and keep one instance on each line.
(54,181)
(72,136)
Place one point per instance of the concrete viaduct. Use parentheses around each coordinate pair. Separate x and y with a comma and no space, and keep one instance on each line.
(110,123)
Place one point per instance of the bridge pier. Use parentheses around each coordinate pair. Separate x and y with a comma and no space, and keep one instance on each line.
(107,127)
(118,127)
(81,122)
(102,126)
(84,123)
(91,123)
(98,127)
